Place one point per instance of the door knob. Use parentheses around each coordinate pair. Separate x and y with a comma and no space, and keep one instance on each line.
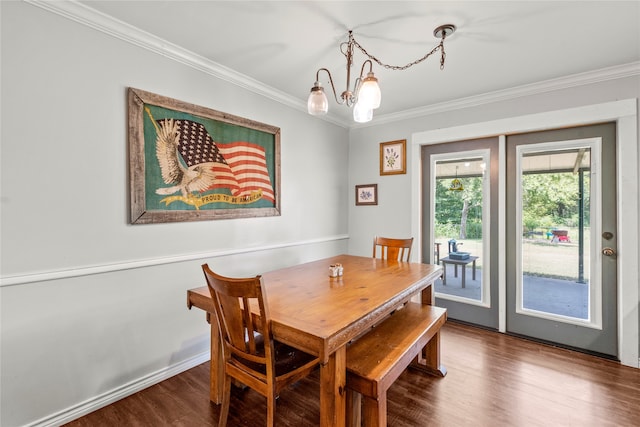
(608,252)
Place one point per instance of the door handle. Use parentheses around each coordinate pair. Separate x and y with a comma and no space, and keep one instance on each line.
(608,252)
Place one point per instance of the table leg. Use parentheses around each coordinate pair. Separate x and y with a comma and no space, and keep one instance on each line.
(444,273)
(428,296)
(332,389)
(216,365)
(464,274)
(474,269)
(455,270)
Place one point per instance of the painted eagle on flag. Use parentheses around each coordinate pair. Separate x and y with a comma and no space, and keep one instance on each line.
(190,161)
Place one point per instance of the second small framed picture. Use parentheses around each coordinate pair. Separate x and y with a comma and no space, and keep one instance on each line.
(393,157)
(366,194)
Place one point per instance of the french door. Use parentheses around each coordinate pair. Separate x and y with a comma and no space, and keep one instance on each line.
(561,237)
(560,224)
(460,183)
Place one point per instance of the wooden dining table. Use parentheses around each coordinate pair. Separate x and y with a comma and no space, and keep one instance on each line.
(321,314)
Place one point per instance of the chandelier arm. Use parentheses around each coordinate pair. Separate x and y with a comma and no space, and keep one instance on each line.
(333,88)
(365,63)
(410,64)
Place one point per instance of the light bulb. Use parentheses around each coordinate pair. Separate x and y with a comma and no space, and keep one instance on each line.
(362,114)
(369,94)
(317,104)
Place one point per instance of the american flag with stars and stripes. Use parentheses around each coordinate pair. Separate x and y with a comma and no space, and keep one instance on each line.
(239,166)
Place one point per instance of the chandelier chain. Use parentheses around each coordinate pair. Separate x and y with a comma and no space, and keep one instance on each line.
(439,47)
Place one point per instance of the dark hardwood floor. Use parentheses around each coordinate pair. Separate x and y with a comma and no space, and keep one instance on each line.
(492,380)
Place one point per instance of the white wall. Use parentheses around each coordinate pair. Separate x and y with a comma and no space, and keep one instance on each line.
(91,307)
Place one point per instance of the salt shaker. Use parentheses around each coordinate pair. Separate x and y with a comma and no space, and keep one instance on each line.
(333,270)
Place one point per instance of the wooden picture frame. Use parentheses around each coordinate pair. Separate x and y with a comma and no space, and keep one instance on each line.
(191,163)
(393,157)
(366,194)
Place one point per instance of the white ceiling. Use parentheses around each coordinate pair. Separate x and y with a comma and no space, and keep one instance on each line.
(498,46)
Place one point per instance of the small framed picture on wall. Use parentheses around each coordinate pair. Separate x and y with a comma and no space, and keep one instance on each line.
(366,194)
(393,157)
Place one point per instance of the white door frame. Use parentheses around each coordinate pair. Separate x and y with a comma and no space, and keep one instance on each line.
(624,113)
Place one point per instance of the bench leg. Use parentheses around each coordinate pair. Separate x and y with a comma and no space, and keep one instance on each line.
(375,411)
(429,359)
(354,408)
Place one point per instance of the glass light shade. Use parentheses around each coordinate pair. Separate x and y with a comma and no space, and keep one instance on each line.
(317,104)
(369,94)
(362,114)
(456,185)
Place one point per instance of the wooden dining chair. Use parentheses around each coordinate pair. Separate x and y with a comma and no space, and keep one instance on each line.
(393,249)
(250,354)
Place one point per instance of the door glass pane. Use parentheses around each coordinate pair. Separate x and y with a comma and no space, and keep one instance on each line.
(555,224)
(458,225)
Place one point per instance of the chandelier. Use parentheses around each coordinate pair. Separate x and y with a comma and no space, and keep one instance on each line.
(365,96)
(456,184)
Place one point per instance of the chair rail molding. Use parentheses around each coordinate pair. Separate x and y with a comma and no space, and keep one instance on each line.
(144,263)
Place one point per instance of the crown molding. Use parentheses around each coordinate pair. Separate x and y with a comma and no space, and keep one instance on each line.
(90,17)
(590,77)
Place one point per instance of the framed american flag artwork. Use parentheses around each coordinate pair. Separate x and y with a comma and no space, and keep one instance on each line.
(191,163)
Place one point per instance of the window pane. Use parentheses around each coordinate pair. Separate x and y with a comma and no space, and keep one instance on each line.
(556,229)
(459,190)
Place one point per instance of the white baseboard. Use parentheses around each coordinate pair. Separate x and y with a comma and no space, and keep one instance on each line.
(100,401)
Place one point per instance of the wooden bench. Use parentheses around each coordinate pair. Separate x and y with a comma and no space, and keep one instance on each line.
(377,359)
